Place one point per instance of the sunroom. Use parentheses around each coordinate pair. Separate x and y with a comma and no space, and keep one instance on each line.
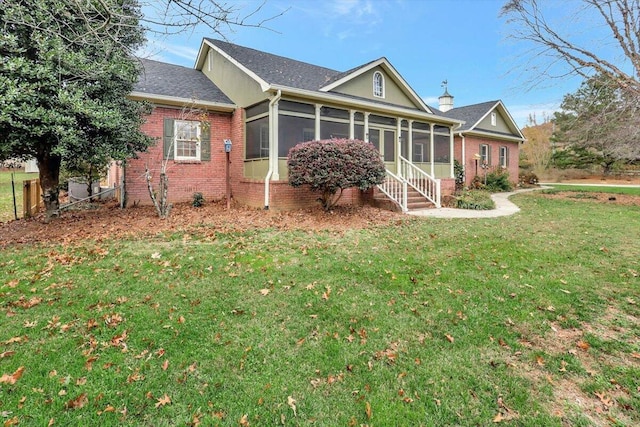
(273,127)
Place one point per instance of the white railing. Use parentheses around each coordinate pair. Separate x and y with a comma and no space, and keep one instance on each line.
(424,183)
(396,189)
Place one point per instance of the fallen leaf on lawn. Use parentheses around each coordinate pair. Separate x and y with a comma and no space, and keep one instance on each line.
(7,354)
(563,367)
(264,291)
(583,345)
(78,402)
(165,365)
(326,293)
(164,400)
(12,378)
(540,360)
(367,410)
(12,422)
(51,422)
(606,401)
(181,319)
(635,355)
(244,421)
(292,404)
(449,337)
(498,418)
(155,255)
(631,301)
(81,381)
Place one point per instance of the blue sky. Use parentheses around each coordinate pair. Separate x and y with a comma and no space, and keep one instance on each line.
(462,41)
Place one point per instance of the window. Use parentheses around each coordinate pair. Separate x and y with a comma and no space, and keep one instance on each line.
(504,157)
(418,153)
(187,140)
(485,154)
(494,119)
(378,84)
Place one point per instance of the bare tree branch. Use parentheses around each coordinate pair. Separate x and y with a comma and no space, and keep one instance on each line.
(621,19)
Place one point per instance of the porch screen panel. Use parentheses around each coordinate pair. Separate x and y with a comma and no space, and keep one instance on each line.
(257,109)
(404,144)
(330,130)
(389,146)
(420,147)
(358,132)
(374,138)
(441,149)
(258,138)
(292,131)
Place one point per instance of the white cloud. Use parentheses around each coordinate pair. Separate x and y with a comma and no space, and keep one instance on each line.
(168,52)
(521,113)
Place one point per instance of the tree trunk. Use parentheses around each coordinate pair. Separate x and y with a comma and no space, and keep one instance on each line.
(49,166)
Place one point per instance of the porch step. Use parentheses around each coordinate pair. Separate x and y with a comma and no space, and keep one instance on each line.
(415,201)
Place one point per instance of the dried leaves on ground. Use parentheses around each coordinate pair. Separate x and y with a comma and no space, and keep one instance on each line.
(108,221)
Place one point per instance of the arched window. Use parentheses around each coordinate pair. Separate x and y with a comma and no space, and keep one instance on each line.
(378,84)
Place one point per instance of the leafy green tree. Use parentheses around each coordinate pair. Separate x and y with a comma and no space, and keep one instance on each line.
(63,86)
(330,166)
(598,123)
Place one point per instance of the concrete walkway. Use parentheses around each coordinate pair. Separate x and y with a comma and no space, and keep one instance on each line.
(504,207)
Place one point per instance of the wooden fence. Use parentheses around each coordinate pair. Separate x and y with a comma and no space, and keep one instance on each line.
(31,197)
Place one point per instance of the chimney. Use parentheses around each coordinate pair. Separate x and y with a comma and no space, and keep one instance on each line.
(445,101)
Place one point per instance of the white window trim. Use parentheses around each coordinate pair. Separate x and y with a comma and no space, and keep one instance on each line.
(198,140)
(503,158)
(264,140)
(485,157)
(380,93)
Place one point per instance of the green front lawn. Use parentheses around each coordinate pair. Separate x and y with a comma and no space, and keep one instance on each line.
(6,194)
(527,320)
(635,191)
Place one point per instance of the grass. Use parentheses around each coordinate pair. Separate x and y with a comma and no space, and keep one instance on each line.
(6,194)
(635,191)
(528,320)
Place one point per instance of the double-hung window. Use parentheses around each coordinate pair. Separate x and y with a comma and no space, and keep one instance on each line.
(485,154)
(504,157)
(187,140)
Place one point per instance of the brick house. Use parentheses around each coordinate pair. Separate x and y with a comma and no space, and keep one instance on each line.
(265,104)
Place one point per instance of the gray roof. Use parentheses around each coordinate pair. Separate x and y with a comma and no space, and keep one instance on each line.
(279,70)
(160,78)
(470,114)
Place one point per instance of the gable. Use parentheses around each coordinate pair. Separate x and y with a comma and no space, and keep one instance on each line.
(362,87)
(501,124)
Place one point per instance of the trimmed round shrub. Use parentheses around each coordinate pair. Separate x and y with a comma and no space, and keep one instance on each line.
(330,166)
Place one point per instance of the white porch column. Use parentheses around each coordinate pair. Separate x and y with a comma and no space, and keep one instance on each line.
(398,145)
(451,140)
(366,127)
(432,150)
(410,142)
(352,131)
(464,156)
(317,122)
(273,142)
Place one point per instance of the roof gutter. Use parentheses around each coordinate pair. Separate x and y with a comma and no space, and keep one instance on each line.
(272,131)
(181,102)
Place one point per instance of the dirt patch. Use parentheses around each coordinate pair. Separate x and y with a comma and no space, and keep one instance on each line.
(569,400)
(617,199)
(108,221)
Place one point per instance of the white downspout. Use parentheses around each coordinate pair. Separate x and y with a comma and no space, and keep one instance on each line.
(464,157)
(272,131)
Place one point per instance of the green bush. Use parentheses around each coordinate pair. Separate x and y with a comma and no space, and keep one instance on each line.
(478,200)
(198,200)
(498,180)
(327,166)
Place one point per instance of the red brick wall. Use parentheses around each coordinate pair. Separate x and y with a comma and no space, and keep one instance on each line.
(472,146)
(282,196)
(206,177)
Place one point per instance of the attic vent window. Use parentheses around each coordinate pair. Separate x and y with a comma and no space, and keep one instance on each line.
(378,84)
(493,119)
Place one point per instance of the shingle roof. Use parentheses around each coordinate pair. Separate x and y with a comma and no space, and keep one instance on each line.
(160,78)
(470,114)
(278,70)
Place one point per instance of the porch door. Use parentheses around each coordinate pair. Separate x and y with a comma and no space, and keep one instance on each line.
(385,141)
